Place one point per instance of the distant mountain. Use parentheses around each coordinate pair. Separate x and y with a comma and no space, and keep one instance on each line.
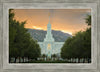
(39,35)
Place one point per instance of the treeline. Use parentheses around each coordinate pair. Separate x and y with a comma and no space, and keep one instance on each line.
(78,46)
(21,44)
(53,57)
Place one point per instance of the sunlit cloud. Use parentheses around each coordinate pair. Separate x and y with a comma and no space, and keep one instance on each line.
(34,27)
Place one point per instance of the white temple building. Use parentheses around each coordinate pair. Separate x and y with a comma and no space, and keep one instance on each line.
(49,46)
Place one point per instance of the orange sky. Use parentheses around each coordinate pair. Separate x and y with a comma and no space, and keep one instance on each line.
(66,20)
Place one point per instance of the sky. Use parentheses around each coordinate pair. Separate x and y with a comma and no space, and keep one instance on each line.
(65,20)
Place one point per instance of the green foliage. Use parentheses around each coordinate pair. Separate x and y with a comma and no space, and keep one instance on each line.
(43,55)
(21,43)
(79,46)
(54,55)
(88,19)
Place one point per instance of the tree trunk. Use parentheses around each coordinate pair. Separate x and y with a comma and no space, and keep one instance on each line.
(74,60)
(15,59)
(88,60)
(19,59)
(36,58)
(83,60)
(23,59)
(28,59)
(78,60)
(9,59)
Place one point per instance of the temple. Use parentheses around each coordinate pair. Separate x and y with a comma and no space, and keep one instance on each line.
(49,46)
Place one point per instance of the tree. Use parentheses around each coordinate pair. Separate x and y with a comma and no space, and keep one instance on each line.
(44,56)
(13,51)
(20,41)
(88,19)
(54,56)
(79,46)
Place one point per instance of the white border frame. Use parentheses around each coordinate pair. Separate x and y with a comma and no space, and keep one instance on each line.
(7,6)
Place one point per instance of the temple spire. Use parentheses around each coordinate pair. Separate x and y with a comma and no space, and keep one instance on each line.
(49,17)
(49,36)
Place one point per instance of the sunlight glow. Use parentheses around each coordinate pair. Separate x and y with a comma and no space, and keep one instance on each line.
(66,32)
(37,28)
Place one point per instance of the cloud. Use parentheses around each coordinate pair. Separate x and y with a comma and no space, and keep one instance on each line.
(69,20)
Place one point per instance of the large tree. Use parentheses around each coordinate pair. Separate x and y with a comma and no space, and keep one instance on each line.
(20,41)
(79,46)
